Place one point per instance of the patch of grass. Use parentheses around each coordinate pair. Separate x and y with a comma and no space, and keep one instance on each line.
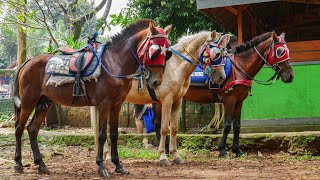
(138,153)
(69,140)
(302,141)
(306,157)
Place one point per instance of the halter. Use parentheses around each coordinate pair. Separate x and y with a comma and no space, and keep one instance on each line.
(205,60)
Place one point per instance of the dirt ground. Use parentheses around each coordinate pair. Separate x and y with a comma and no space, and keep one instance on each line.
(79,163)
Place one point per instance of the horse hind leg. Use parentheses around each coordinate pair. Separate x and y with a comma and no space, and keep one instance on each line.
(173,131)
(22,115)
(114,123)
(41,112)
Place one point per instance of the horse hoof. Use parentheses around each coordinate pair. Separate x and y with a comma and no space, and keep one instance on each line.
(239,153)
(178,161)
(122,171)
(103,173)
(223,154)
(43,170)
(164,162)
(18,168)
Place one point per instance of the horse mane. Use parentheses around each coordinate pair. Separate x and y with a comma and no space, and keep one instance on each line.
(186,39)
(130,30)
(250,44)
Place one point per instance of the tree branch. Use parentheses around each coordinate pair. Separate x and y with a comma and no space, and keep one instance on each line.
(48,9)
(107,10)
(47,26)
(92,13)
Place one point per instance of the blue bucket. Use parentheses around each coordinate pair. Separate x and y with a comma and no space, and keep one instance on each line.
(148,121)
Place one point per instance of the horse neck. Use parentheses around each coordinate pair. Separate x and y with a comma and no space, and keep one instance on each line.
(250,62)
(189,48)
(122,57)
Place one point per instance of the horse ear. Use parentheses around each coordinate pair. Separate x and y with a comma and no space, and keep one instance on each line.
(274,36)
(167,29)
(213,35)
(283,35)
(224,41)
(152,28)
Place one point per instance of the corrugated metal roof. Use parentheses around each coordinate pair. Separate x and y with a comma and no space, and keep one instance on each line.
(205,4)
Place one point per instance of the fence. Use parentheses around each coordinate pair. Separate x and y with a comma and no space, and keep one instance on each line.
(6,89)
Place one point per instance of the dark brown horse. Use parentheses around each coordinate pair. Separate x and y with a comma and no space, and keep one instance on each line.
(107,94)
(248,60)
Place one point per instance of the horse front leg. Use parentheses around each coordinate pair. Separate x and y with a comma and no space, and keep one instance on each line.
(165,117)
(33,130)
(157,127)
(236,130)
(114,123)
(173,131)
(104,112)
(229,107)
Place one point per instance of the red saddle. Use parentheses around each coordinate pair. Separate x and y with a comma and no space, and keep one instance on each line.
(80,58)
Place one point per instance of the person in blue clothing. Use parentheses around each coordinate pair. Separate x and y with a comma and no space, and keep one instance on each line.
(139,112)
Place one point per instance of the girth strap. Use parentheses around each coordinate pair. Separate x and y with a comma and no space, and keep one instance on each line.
(152,93)
(77,87)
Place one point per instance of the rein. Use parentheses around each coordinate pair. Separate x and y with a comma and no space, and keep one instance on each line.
(104,67)
(185,58)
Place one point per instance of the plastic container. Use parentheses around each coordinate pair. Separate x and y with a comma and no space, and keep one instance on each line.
(198,76)
(148,121)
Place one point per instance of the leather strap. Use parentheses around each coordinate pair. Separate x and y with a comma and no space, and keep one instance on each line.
(152,93)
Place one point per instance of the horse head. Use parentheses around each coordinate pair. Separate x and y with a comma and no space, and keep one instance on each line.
(153,53)
(212,56)
(279,58)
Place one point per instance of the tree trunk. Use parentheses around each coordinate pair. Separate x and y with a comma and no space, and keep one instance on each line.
(22,47)
(76,30)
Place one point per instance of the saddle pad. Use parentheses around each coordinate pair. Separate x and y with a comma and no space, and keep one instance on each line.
(58,80)
(199,78)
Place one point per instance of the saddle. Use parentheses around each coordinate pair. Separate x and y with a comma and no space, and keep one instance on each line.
(79,61)
(80,58)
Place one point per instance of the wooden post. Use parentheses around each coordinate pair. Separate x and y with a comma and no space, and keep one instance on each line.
(240,36)
(183,124)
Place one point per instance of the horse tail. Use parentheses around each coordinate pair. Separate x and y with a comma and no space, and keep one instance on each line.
(16,96)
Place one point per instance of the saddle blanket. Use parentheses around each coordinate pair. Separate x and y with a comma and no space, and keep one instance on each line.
(58,68)
(199,78)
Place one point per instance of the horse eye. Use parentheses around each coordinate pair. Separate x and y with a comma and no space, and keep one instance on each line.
(154,51)
(281,51)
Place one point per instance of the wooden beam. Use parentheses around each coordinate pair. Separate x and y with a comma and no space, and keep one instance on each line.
(232,10)
(305,1)
(240,34)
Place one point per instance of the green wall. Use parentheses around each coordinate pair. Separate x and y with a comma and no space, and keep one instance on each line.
(299,99)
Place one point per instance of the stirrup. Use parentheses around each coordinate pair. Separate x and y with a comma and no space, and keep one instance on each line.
(82,86)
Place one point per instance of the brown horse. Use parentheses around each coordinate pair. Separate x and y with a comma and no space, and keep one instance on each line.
(107,94)
(248,60)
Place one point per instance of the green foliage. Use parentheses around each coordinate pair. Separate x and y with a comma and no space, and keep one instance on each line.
(183,15)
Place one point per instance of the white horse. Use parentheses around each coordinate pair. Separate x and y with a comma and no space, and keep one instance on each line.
(176,81)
